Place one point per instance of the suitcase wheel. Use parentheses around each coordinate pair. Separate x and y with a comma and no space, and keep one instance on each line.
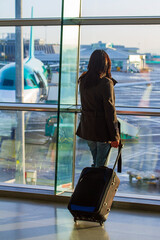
(101,223)
(75,221)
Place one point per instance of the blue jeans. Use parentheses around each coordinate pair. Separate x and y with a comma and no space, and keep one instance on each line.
(100,152)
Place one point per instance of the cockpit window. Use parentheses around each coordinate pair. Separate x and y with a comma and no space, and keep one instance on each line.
(8,83)
(39,76)
(36,78)
(30,83)
(41,82)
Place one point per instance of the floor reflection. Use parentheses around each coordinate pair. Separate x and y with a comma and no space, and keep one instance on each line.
(88,230)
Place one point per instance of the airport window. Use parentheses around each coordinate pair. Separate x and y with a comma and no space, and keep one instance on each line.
(37,168)
(44,37)
(10,6)
(41,9)
(140,156)
(50,156)
(116,8)
(135,61)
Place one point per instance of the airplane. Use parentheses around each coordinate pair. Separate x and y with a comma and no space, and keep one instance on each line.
(35,79)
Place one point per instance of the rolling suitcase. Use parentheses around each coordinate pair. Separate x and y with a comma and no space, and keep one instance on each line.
(94,193)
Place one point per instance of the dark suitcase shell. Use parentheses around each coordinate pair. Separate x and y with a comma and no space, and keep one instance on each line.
(93,195)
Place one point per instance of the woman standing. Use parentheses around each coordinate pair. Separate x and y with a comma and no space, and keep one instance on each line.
(98,123)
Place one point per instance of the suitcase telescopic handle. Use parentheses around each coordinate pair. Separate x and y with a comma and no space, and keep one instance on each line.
(118,159)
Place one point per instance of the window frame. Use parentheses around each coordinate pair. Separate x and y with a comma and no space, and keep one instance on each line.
(138,20)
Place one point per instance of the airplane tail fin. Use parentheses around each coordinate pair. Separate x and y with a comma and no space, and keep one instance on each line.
(31,44)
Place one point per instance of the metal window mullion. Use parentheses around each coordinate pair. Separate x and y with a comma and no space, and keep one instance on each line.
(75,116)
(81,21)
(30,22)
(112,21)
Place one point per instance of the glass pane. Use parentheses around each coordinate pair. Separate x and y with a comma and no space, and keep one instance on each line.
(135,60)
(120,8)
(28,148)
(41,64)
(71,8)
(69,65)
(7,9)
(7,45)
(7,67)
(68,85)
(65,151)
(41,8)
(140,156)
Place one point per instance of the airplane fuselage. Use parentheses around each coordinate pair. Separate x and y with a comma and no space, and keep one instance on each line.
(35,82)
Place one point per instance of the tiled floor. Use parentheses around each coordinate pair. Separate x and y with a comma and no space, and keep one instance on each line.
(39,220)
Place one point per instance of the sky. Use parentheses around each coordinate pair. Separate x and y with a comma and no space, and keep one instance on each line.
(146,38)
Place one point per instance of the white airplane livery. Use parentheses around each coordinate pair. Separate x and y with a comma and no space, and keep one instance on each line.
(35,79)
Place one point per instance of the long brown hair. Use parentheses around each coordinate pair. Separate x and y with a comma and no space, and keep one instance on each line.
(99,64)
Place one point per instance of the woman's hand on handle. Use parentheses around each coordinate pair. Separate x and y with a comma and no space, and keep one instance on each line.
(115,144)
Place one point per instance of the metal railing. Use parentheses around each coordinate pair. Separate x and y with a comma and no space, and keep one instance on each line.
(76,109)
(137,20)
